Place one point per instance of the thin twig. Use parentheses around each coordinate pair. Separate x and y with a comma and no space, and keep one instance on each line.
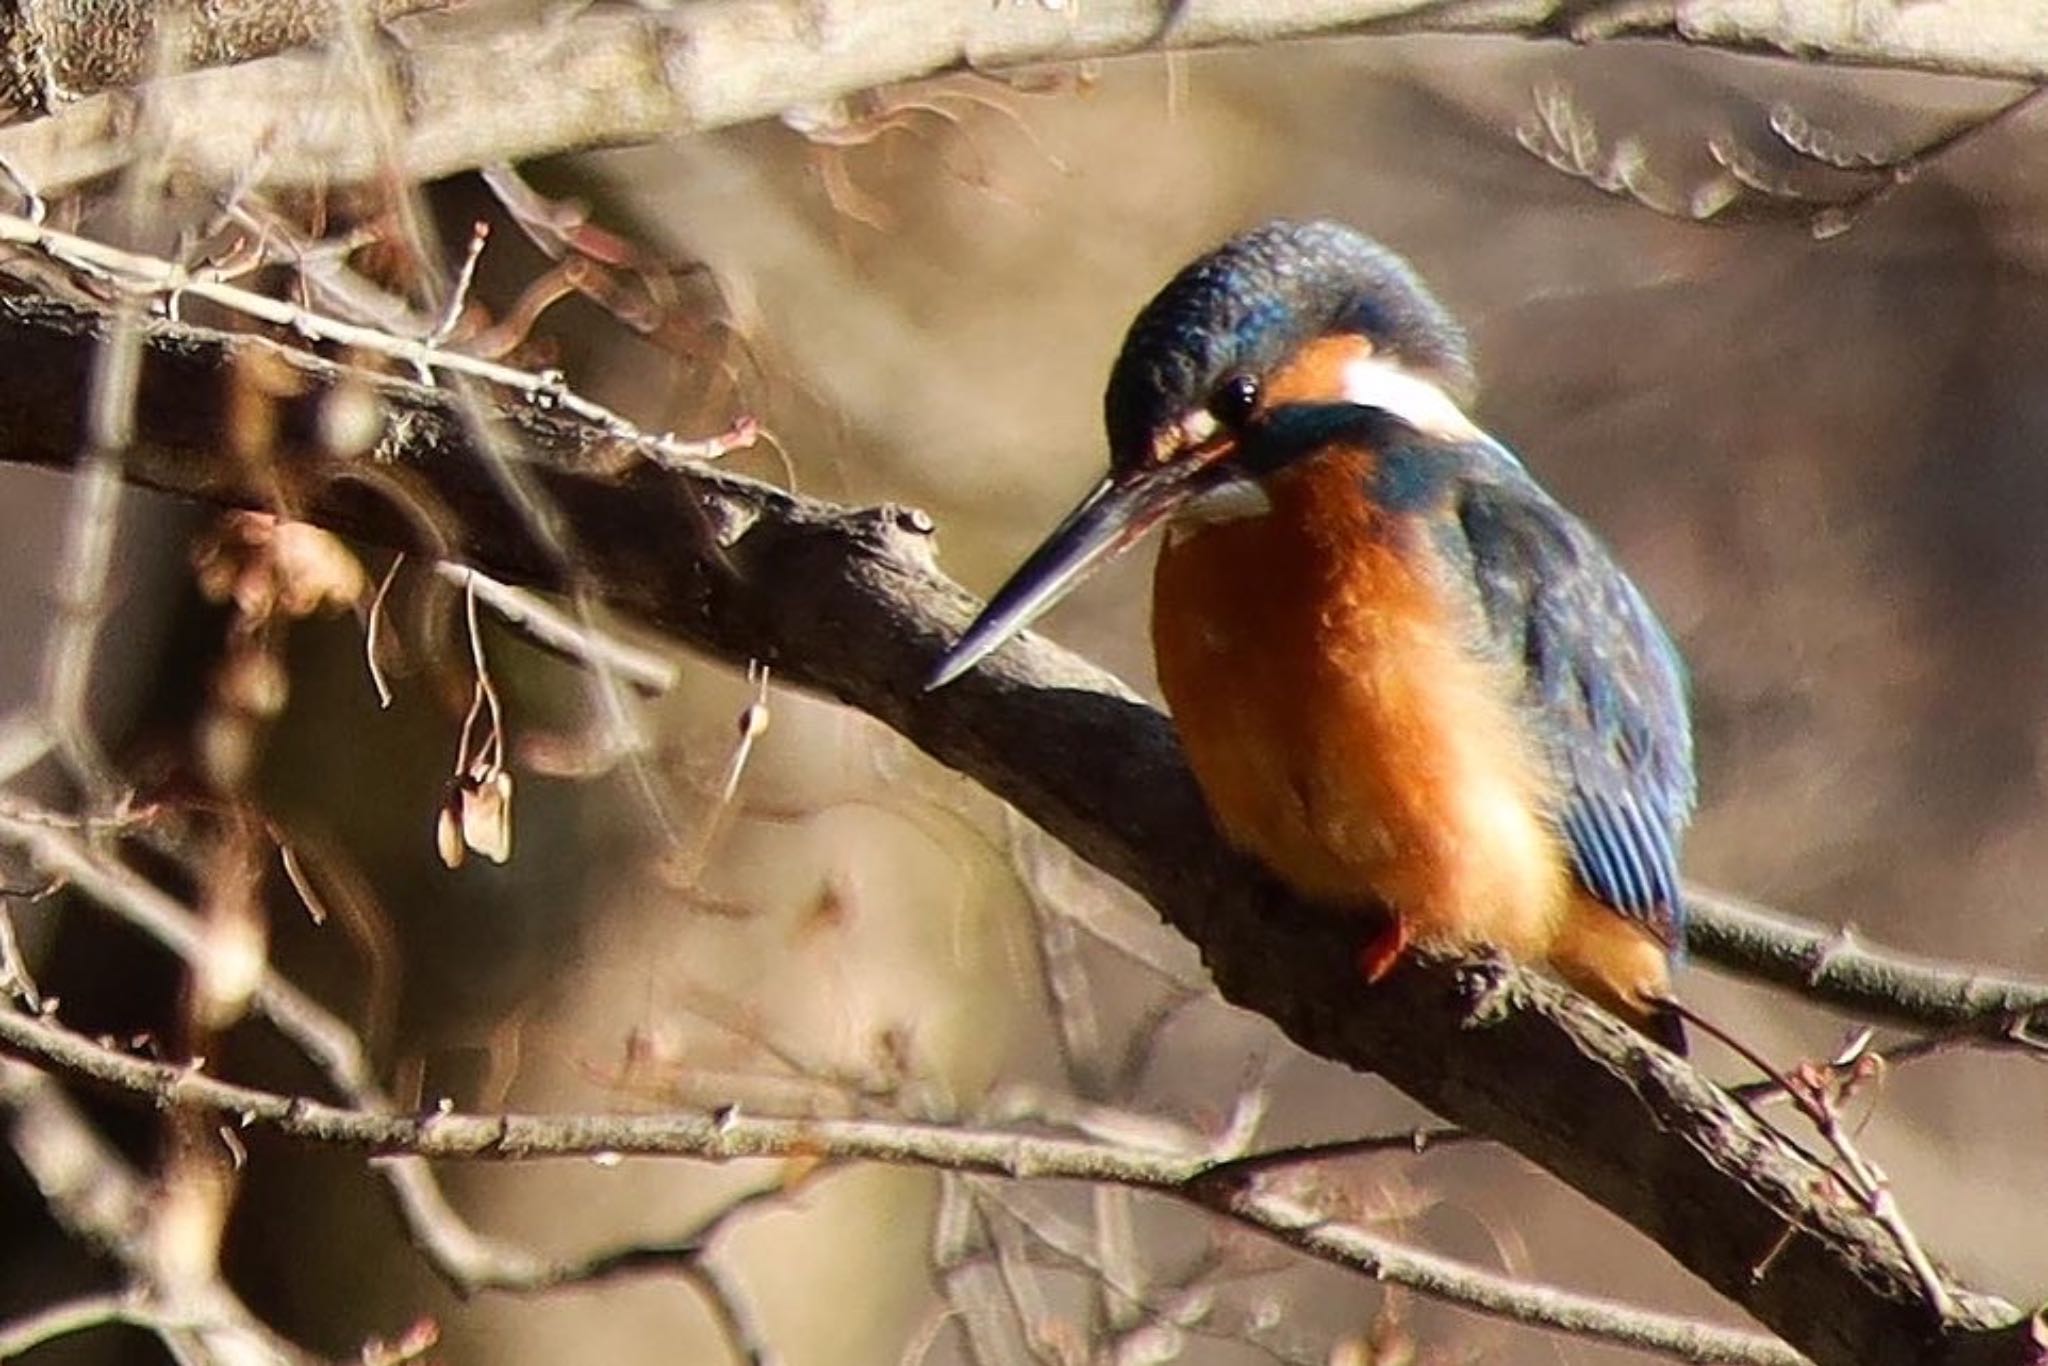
(458,297)
(1847,1068)
(1862,1177)
(1835,967)
(15,979)
(295,873)
(687,1255)
(548,626)
(151,277)
(723,1137)
(93,1194)
(373,629)
(1414,1142)
(20,1336)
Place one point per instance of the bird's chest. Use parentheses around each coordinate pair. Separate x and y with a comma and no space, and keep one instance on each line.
(1324,674)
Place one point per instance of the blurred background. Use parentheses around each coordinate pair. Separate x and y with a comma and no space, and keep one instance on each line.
(1818,452)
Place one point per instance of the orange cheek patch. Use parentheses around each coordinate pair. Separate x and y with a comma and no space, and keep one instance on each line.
(1316,372)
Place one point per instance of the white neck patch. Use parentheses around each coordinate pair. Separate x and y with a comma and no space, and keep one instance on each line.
(1377,382)
(1370,382)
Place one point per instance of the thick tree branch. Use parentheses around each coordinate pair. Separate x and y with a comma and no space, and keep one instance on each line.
(609,77)
(849,603)
(46,345)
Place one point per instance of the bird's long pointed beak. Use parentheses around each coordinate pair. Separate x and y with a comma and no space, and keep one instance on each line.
(1114,516)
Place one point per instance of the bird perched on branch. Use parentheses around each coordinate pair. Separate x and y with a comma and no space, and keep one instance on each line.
(1406,678)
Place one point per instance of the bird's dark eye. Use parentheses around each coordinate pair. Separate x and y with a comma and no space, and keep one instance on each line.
(1235,399)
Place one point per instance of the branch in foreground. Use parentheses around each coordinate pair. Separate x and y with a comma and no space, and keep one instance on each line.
(728,1136)
(105,1204)
(849,603)
(19,1337)
(628,75)
(468,1260)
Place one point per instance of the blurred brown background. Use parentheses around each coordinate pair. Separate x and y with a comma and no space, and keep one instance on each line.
(1820,458)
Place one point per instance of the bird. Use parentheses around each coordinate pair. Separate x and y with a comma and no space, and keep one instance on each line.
(1407,680)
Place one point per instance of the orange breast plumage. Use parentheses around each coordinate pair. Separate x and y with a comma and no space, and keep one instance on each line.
(1344,729)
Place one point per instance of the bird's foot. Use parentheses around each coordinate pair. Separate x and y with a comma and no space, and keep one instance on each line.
(1382,951)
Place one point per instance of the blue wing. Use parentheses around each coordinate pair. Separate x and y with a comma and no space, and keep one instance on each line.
(1601,679)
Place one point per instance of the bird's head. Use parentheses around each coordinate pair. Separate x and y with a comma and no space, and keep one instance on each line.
(1228,375)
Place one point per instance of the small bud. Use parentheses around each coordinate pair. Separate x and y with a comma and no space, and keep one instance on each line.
(253,682)
(351,419)
(487,816)
(448,833)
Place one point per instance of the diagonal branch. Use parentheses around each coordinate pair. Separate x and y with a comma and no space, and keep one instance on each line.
(849,603)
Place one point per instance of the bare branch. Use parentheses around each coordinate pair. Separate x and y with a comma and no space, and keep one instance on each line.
(1826,964)
(633,75)
(20,1336)
(727,1136)
(1746,187)
(688,1256)
(137,275)
(553,629)
(457,1251)
(1834,967)
(469,1261)
(1808,1089)
(15,978)
(92,1193)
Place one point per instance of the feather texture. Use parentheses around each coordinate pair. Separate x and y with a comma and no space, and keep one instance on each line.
(1601,683)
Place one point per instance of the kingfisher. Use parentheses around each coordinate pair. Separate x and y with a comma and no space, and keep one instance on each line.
(1407,680)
